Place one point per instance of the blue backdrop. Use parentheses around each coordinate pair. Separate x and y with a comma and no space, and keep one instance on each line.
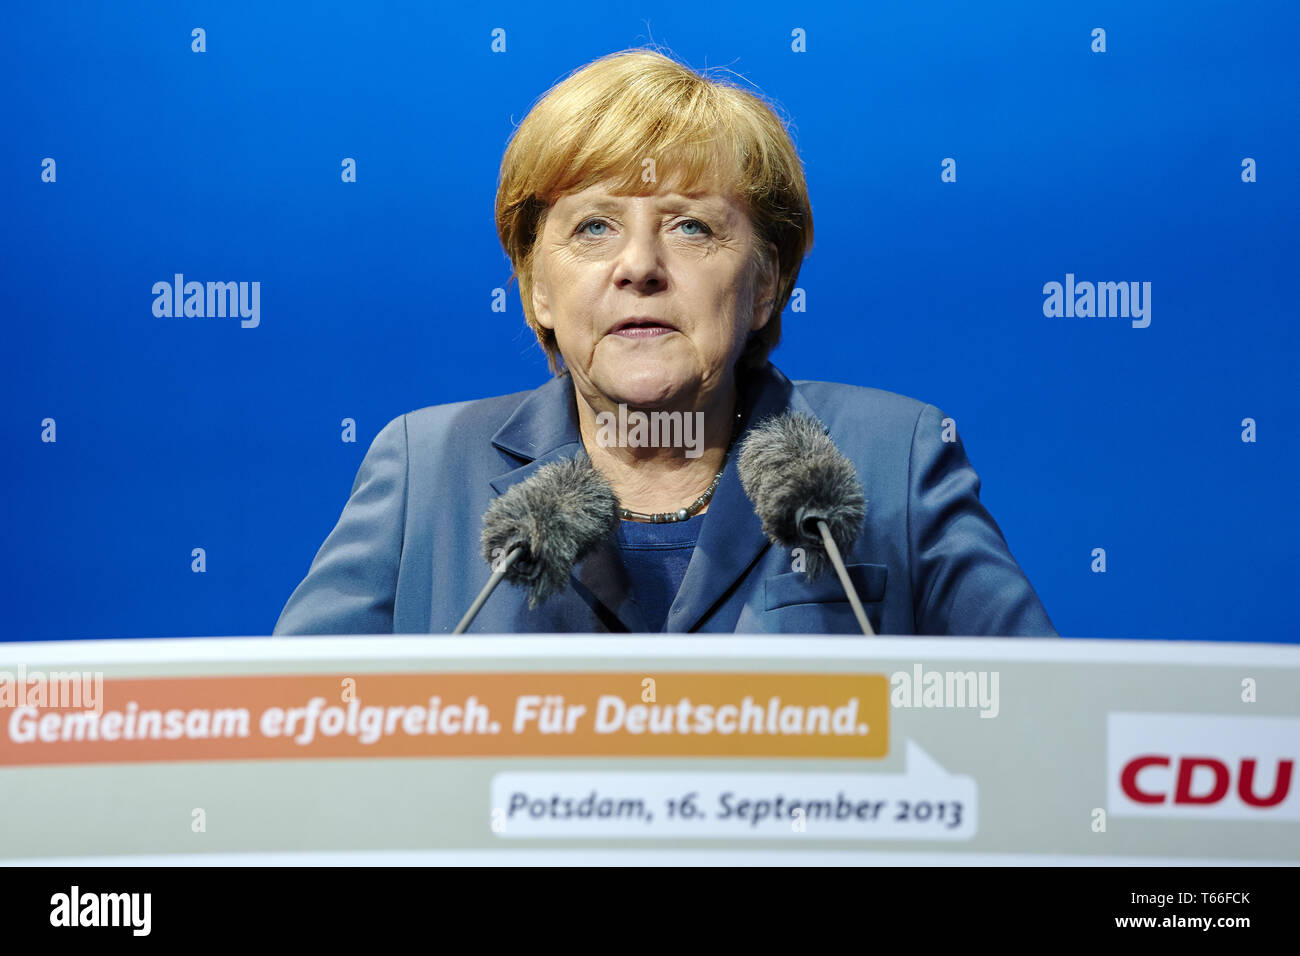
(960,157)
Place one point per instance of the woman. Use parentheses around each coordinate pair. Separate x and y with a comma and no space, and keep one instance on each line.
(656,221)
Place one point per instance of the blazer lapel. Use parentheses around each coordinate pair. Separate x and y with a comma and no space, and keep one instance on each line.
(544,428)
(732,538)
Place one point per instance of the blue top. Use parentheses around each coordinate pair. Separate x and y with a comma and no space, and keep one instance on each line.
(656,556)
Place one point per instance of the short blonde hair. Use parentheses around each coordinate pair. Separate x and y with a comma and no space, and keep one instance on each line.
(605,118)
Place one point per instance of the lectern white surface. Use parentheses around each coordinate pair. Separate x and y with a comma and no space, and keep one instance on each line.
(564,749)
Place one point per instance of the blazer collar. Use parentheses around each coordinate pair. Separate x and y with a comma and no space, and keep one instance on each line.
(544,428)
(545,421)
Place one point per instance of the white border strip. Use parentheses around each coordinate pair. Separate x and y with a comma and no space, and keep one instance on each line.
(625,858)
(680,650)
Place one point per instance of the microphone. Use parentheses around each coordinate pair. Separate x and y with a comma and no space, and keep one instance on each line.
(538,530)
(806,493)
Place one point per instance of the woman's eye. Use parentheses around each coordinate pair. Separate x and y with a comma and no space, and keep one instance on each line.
(689,227)
(582,229)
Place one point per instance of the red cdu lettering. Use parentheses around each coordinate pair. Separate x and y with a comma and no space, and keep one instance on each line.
(1128,779)
(1281,783)
(1187,767)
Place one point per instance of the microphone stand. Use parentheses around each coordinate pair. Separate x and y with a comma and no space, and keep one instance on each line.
(833,550)
(488,588)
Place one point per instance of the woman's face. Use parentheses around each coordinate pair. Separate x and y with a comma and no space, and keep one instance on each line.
(651,298)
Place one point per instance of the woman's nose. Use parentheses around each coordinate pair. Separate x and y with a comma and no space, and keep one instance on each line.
(640,262)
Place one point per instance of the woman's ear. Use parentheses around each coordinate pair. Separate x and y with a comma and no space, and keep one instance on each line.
(541,296)
(539,292)
(765,287)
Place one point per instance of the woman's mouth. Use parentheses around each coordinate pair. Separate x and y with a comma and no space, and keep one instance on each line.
(641,328)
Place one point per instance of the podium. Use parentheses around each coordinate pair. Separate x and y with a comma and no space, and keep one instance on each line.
(644,749)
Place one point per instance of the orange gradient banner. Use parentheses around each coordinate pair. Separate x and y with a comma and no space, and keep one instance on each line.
(456,715)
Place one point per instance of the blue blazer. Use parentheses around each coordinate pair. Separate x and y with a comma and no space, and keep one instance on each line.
(405,555)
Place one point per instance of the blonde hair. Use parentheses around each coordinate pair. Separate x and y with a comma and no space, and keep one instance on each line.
(605,118)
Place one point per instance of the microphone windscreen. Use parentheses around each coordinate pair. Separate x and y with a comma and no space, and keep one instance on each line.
(557,516)
(794,475)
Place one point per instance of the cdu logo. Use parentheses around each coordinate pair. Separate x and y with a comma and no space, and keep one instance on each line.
(1203,766)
